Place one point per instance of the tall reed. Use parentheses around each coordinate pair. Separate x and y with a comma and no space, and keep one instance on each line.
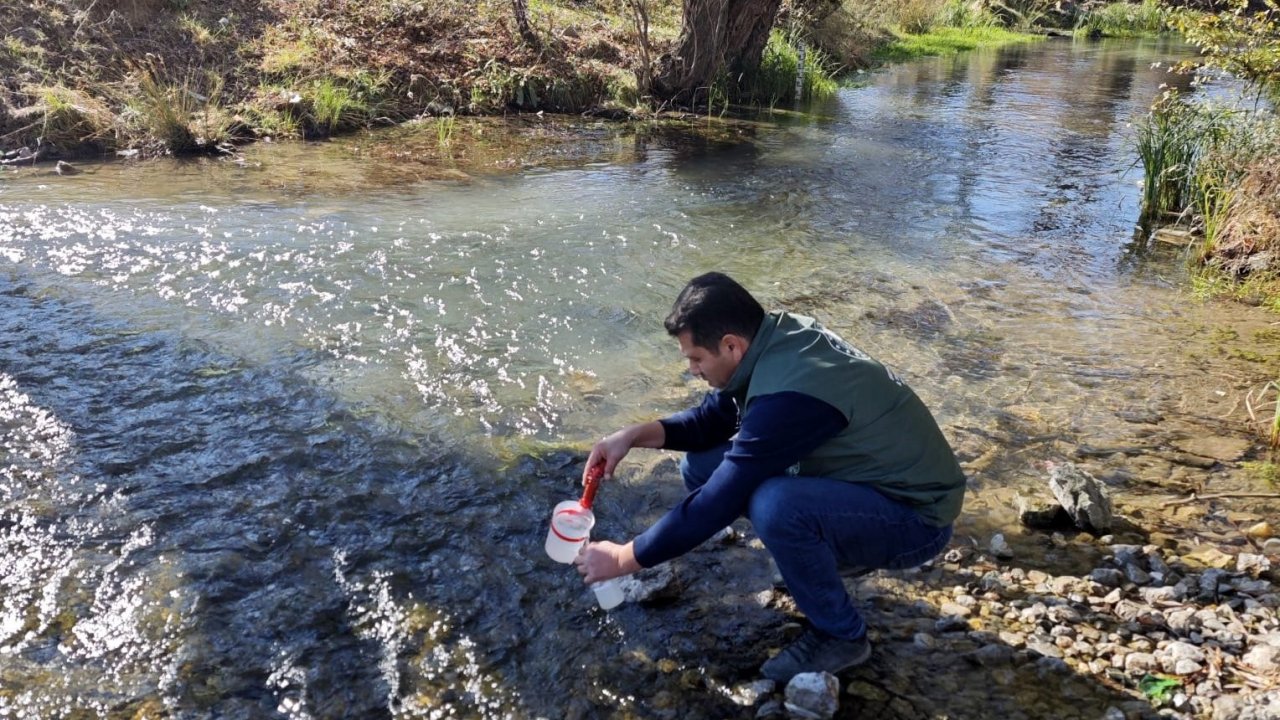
(781,67)
(1168,140)
(1123,20)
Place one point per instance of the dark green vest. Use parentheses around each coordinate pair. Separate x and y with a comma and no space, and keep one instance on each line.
(892,441)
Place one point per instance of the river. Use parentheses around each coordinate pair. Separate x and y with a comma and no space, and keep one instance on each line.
(279,434)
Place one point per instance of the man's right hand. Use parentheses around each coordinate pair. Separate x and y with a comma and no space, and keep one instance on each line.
(612,448)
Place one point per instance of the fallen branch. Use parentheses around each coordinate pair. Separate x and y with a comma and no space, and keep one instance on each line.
(1217,496)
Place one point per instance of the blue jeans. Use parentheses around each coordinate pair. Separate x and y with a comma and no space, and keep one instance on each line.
(814,527)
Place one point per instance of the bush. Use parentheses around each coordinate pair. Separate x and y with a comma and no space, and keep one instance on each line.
(1123,20)
(775,82)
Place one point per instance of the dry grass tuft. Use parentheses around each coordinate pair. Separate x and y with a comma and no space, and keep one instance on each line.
(1249,239)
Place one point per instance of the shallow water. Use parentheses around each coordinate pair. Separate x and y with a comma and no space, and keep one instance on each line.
(260,420)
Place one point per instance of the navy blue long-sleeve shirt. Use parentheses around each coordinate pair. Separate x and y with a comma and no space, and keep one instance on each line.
(776,432)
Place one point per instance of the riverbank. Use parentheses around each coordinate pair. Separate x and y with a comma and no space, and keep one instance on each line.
(1171,613)
(150,77)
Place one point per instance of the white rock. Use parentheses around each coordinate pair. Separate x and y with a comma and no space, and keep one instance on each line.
(813,696)
(1263,658)
(1000,547)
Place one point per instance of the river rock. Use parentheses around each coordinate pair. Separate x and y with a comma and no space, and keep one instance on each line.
(1000,547)
(1085,499)
(1109,577)
(1172,236)
(65,168)
(1139,663)
(1225,449)
(651,585)
(748,694)
(1263,658)
(771,710)
(1252,564)
(1042,513)
(813,696)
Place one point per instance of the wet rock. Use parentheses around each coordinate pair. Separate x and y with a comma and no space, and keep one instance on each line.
(1211,582)
(1225,449)
(651,585)
(771,710)
(1043,647)
(1127,554)
(1000,548)
(1210,557)
(748,694)
(65,168)
(1195,461)
(1083,497)
(990,656)
(866,692)
(1042,513)
(1173,236)
(1137,575)
(23,154)
(813,696)
(1109,577)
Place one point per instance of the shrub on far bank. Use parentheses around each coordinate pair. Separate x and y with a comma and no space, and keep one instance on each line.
(780,69)
(1216,170)
(1123,20)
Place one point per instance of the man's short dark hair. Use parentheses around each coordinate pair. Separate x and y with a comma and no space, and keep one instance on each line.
(712,306)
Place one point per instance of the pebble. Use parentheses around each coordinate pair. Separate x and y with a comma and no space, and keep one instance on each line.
(813,696)
(1000,547)
(1142,610)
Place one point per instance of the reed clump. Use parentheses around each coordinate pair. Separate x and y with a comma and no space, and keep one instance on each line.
(785,65)
(1123,20)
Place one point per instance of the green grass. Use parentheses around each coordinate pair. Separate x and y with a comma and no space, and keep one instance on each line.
(779,67)
(1263,471)
(166,110)
(947,41)
(1123,20)
(335,106)
(1168,141)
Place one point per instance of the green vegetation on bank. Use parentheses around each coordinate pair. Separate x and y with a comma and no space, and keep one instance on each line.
(949,40)
(1123,20)
(83,77)
(1213,165)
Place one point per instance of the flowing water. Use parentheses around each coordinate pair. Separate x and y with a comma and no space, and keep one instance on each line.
(277,434)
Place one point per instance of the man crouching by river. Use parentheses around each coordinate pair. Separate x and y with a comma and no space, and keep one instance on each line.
(839,466)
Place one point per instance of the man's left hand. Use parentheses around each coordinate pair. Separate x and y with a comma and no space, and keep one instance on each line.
(604,560)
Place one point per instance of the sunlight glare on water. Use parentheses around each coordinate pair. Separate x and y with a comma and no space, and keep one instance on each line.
(254,414)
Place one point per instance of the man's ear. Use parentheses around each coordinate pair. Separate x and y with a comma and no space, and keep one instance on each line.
(734,344)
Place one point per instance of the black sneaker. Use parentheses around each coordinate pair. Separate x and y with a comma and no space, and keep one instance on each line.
(816,652)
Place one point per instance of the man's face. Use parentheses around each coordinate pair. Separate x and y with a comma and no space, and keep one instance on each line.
(715,367)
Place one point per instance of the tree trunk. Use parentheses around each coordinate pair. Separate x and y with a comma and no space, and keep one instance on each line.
(718,38)
(521,10)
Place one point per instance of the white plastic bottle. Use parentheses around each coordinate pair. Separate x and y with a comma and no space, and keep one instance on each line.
(570,526)
(608,593)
